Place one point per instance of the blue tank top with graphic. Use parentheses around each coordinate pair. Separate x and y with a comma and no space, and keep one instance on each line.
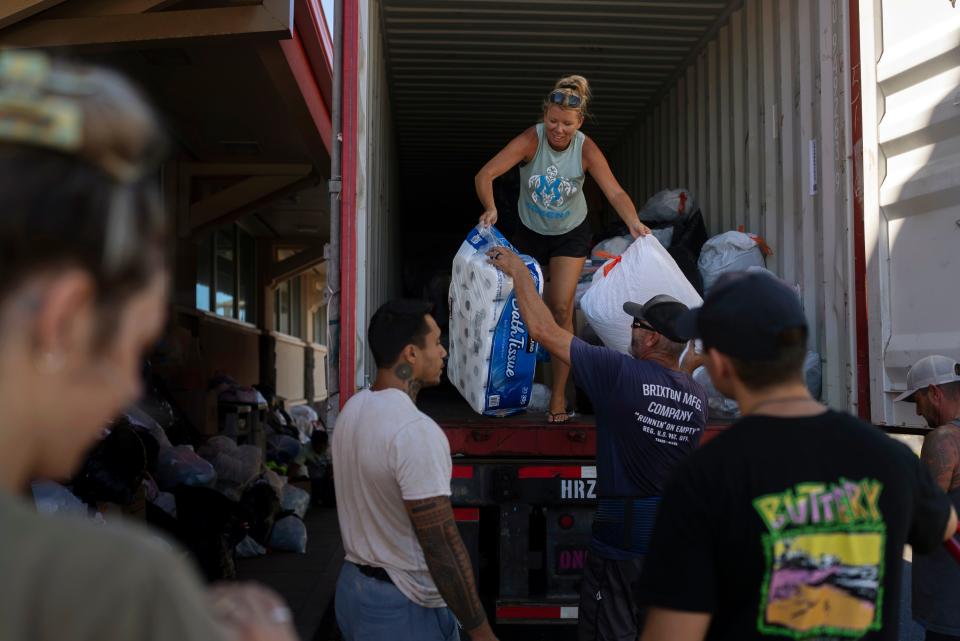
(551,187)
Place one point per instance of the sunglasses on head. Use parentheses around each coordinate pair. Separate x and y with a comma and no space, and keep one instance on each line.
(639,324)
(559,97)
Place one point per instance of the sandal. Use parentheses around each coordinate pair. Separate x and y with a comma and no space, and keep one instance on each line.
(554,418)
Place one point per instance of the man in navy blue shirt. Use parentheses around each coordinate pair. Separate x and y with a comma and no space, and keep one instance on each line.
(650,415)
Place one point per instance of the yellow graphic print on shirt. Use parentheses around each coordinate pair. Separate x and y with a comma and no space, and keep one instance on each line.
(825,559)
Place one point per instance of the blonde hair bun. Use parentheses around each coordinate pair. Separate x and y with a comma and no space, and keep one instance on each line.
(575,85)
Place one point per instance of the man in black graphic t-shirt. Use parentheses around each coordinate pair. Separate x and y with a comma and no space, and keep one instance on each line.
(650,416)
(791,524)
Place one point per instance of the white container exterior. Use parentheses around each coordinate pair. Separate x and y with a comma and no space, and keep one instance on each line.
(757,128)
(378,209)
(911,147)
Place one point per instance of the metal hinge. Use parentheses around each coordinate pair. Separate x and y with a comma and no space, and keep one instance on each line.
(335,186)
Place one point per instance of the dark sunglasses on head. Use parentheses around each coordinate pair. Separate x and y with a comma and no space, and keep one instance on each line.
(559,97)
(639,324)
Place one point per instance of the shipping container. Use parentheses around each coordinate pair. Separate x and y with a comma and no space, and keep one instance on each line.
(831,128)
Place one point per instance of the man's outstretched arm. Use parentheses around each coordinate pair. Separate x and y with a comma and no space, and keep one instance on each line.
(449,562)
(535,313)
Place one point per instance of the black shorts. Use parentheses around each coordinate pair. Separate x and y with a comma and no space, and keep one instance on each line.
(574,244)
(608,604)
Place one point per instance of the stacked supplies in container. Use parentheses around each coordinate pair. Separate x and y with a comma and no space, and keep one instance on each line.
(492,357)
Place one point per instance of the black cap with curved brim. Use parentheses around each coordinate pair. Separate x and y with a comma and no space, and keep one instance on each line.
(744,315)
(661,313)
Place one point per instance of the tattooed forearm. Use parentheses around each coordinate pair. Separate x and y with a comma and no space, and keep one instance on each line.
(941,454)
(447,558)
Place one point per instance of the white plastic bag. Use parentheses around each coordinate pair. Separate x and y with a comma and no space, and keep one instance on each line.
(732,251)
(722,407)
(643,271)
(53,498)
(665,236)
(492,358)
(294,499)
(305,418)
(813,374)
(611,247)
(669,205)
(719,406)
(181,465)
(540,399)
(249,548)
(166,502)
(289,534)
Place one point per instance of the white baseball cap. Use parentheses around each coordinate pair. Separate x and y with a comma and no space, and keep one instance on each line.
(930,370)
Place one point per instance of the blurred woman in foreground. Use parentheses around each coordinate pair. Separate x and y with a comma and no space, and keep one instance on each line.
(83,287)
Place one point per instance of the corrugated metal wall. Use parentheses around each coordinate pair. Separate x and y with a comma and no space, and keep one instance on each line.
(378,208)
(911,190)
(739,127)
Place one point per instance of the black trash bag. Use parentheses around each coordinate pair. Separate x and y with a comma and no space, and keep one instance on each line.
(157,402)
(261,505)
(691,233)
(113,470)
(210,527)
(687,262)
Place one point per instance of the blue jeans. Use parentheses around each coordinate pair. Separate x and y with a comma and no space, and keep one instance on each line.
(369,609)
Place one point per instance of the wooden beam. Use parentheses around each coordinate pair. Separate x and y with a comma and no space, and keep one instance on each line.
(92,8)
(296,264)
(300,97)
(135,29)
(229,203)
(13,11)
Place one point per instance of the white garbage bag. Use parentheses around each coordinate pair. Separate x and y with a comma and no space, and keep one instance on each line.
(732,251)
(180,464)
(166,502)
(611,247)
(722,407)
(492,357)
(669,205)
(294,499)
(289,534)
(249,548)
(540,400)
(813,374)
(719,406)
(665,236)
(643,271)
(53,498)
(306,419)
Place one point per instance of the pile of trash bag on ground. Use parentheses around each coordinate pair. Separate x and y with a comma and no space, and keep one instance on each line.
(218,498)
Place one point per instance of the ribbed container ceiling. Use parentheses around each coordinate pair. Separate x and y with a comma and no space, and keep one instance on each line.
(467,75)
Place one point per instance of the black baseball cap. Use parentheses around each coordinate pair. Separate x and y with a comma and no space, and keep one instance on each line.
(743,316)
(660,313)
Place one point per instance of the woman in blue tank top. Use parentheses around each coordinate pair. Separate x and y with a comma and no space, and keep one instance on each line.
(556,156)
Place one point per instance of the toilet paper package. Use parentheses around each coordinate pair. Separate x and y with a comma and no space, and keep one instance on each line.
(643,271)
(492,358)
